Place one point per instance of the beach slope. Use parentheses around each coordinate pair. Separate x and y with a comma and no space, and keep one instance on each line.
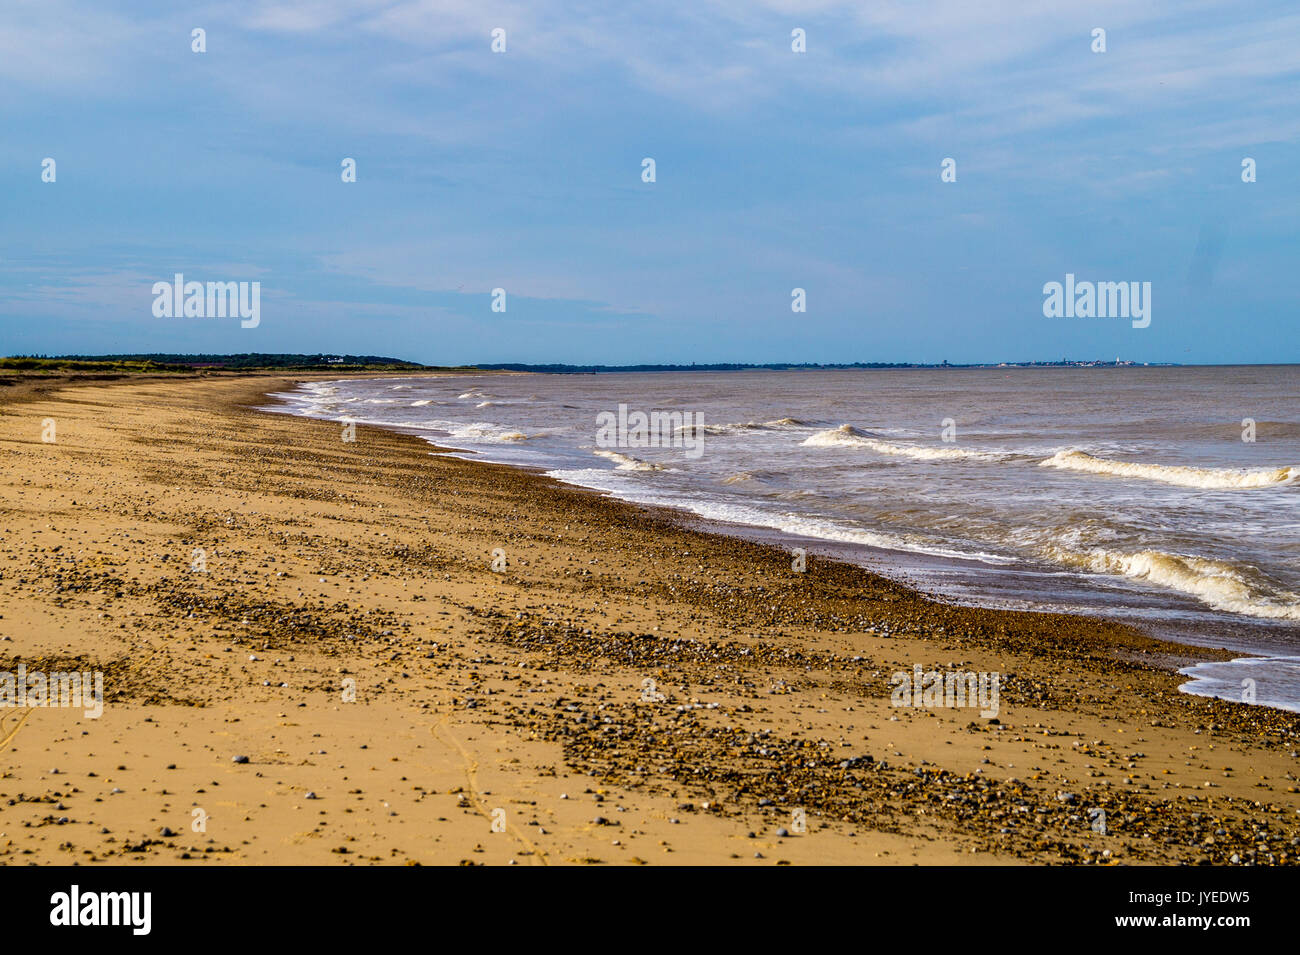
(322,651)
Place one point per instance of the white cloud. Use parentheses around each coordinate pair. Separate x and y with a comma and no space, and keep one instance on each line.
(931,68)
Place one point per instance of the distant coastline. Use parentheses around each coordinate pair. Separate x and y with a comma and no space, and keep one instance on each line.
(259,361)
(561,369)
(296,362)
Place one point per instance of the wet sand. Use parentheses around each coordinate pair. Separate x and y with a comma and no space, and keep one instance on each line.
(504,716)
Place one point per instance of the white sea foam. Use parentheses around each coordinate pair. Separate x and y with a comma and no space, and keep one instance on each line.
(477,431)
(1217,583)
(740,427)
(625,462)
(847,436)
(1211,478)
(786,522)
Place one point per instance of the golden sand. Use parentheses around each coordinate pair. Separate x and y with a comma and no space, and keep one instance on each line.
(625,689)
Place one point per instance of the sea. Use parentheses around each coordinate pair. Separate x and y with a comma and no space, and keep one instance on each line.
(1167,497)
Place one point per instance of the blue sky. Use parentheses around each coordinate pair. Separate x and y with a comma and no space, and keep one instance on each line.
(775,170)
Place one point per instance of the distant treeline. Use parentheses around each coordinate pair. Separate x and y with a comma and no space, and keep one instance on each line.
(251,360)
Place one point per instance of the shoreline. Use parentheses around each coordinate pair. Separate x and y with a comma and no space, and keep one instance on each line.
(1202,640)
(481,691)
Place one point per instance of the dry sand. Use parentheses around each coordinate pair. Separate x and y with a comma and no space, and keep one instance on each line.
(516,697)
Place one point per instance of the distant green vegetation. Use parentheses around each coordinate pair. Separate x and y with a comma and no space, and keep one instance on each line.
(118,366)
(163,363)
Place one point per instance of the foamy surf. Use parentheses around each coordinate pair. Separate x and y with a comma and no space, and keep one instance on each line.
(1209,478)
(847,436)
(892,483)
(844,435)
(741,427)
(692,430)
(790,523)
(478,431)
(625,462)
(1218,584)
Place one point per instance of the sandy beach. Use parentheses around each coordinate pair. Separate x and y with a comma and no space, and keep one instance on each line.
(327,652)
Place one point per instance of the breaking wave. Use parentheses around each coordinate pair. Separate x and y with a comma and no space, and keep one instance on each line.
(625,462)
(1218,583)
(479,431)
(1235,478)
(741,427)
(847,436)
